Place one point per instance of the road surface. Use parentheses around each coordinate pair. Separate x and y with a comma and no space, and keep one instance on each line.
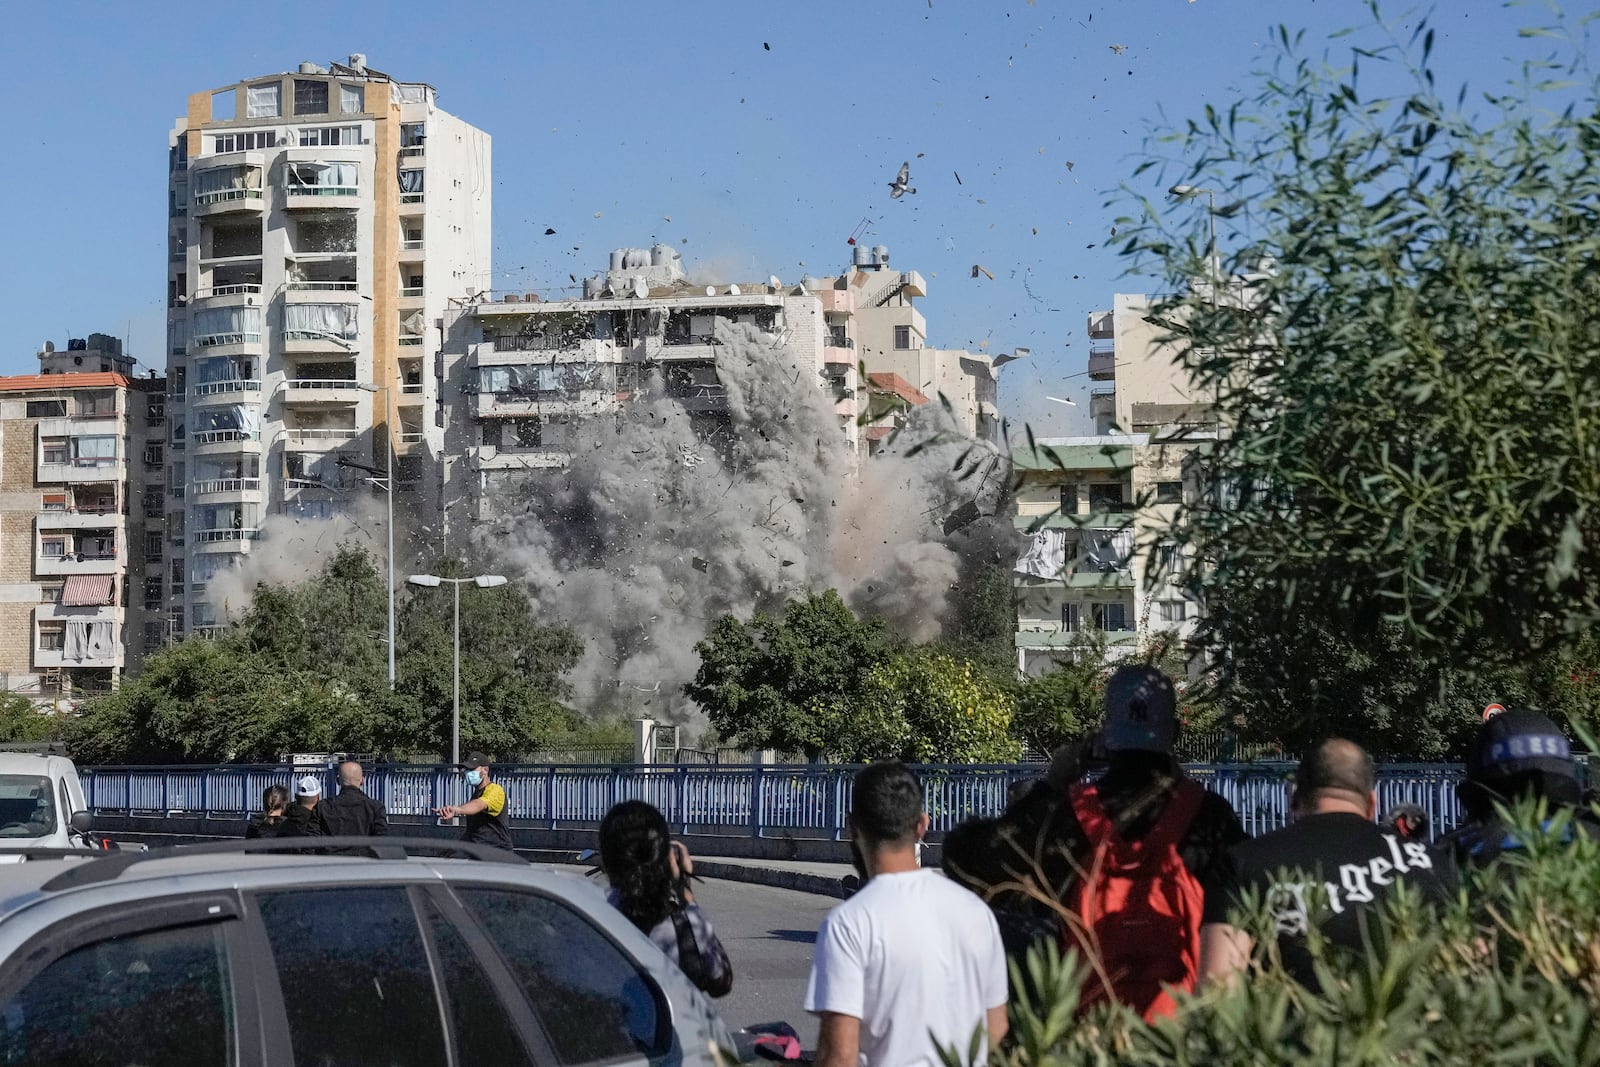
(768,934)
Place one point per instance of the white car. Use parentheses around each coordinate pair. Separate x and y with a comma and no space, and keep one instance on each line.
(385,953)
(41,801)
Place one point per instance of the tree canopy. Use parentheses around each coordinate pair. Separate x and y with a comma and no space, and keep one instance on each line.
(1403,356)
(305,670)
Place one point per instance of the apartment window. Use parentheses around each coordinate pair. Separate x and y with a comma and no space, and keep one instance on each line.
(263,101)
(1069,499)
(319,136)
(95,405)
(1173,610)
(54,449)
(51,593)
(53,502)
(53,547)
(527,433)
(490,434)
(152,544)
(47,409)
(1169,492)
(152,594)
(1071,618)
(252,141)
(1111,616)
(152,456)
(351,99)
(902,337)
(310,97)
(412,134)
(411,185)
(1105,498)
(52,636)
(1169,560)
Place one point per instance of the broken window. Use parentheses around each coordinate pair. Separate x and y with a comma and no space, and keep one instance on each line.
(264,101)
(310,97)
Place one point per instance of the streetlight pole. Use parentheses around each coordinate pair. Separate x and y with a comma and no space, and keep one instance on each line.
(433,581)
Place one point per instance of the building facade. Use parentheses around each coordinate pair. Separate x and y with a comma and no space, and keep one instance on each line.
(529,372)
(81,536)
(319,221)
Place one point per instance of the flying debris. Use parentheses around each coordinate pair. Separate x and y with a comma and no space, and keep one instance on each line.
(961,517)
(766,46)
(548,232)
(1063,400)
(957,173)
(901,184)
(978,268)
(1119,48)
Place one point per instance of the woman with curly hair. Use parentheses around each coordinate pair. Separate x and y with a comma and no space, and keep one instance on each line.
(649,875)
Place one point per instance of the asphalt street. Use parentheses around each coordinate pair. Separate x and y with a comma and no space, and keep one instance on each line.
(769,934)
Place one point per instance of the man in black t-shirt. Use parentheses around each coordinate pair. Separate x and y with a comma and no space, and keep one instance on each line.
(1332,865)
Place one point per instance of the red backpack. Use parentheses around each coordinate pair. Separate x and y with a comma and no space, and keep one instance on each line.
(1138,905)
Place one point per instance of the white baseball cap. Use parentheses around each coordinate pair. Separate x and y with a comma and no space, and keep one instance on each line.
(308,787)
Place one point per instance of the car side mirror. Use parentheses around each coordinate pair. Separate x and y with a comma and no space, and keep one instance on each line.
(81,822)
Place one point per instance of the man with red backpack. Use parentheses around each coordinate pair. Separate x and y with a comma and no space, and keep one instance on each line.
(1123,860)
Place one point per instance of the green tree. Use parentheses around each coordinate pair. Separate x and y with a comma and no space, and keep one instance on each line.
(953,710)
(1065,703)
(1406,368)
(791,681)
(22,722)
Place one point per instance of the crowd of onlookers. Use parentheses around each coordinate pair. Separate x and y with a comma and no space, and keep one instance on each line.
(1121,856)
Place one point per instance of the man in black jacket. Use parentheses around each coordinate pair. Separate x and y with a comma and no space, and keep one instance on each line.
(304,819)
(352,813)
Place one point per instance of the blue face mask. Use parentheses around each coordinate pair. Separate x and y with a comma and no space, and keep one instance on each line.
(474,778)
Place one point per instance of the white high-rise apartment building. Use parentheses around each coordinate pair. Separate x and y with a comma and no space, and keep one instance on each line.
(319,222)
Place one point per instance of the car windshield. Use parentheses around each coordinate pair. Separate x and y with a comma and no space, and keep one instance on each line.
(26,808)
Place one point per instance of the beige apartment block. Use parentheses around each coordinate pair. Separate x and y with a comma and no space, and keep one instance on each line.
(80,452)
(319,222)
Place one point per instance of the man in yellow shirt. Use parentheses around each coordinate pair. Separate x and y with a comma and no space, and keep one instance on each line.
(485,814)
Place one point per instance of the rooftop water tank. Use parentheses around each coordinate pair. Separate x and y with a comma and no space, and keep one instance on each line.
(635,259)
(861,256)
(880,255)
(661,255)
(617,257)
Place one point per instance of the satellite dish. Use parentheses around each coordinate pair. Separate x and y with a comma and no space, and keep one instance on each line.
(711,290)
(640,288)
(733,290)
(774,283)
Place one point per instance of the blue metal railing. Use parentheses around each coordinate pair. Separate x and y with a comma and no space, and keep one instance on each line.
(802,800)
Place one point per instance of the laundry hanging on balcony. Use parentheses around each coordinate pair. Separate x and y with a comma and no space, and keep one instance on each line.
(410,180)
(86,641)
(87,590)
(1106,551)
(231,325)
(1046,555)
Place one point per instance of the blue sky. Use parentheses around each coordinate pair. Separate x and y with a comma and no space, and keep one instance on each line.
(765,132)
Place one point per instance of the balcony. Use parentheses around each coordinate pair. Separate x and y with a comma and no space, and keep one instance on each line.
(79,472)
(209,442)
(231,488)
(1102,325)
(86,518)
(312,391)
(229,391)
(226,295)
(411,292)
(1102,364)
(410,440)
(235,539)
(413,155)
(311,343)
(321,186)
(320,291)
(411,252)
(839,352)
(551,457)
(321,438)
(78,563)
(1103,405)
(230,201)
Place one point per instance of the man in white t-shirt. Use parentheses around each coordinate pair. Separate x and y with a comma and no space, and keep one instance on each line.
(912,963)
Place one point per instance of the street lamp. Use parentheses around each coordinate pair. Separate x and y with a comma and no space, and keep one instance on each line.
(388,491)
(433,581)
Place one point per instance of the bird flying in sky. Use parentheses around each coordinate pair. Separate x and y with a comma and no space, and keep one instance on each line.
(902,182)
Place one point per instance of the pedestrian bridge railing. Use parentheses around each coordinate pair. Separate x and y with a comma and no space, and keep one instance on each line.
(799,800)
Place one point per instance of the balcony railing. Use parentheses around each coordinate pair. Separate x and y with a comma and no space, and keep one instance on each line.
(210,340)
(411,290)
(231,385)
(217,437)
(409,340)
(411,437)
(206,537)
(340,434)
(218,196)
(411,198)
(228,485)
(322,287)
(80,557)
(101,509)
(411,246)
(227,290)
(411,387)
(314,384)
(297,189)
(411,150)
